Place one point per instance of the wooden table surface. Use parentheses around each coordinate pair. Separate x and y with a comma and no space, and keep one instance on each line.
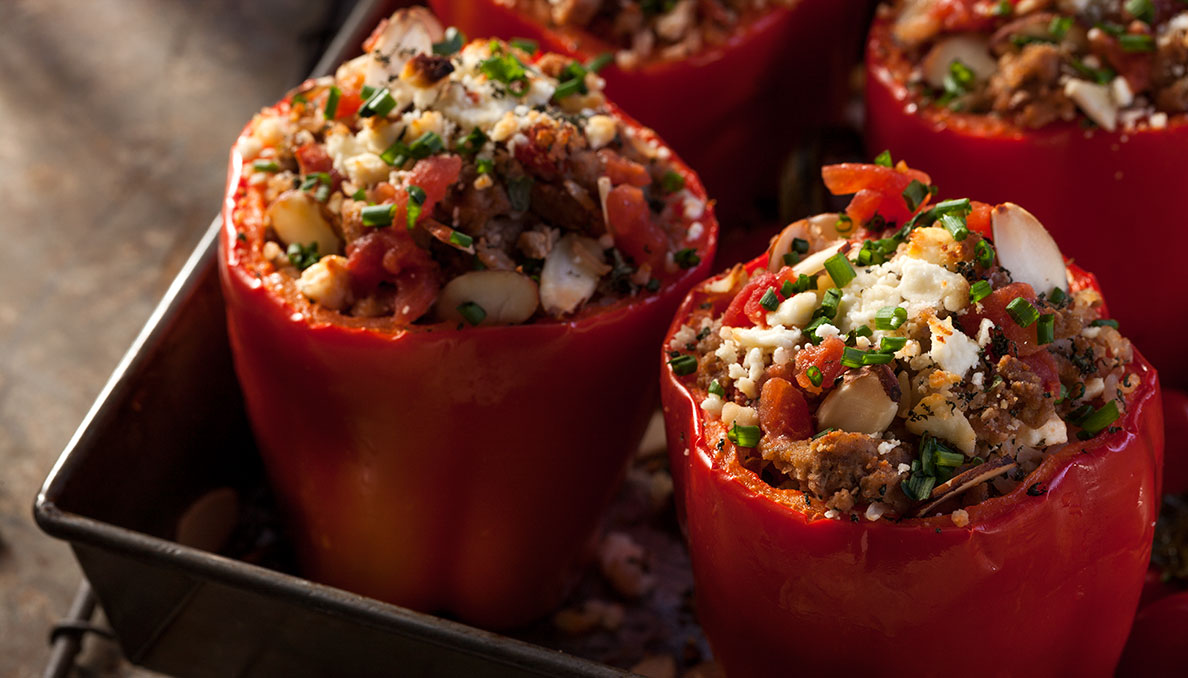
(117,116)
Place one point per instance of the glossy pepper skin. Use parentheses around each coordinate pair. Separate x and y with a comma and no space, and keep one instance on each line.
(779,74)
(1113,200)
(446,469)
(1039,583)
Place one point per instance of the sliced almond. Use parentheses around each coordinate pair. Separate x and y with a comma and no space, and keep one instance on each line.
(862,403)
(570,274)
(943,419)
(297,218)
(818,231)
(971,49)
(815,262)
(1027,250)
(966,480)
(507,297)
(1095,100)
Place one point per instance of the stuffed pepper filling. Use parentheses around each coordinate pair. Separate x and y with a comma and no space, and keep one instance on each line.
(1117,64)
(650,30)
(430,180)
(902,358)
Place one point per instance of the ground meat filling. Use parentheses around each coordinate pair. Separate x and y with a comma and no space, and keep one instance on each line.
(1117,63)
(650,30)
(858,386)
(466,185)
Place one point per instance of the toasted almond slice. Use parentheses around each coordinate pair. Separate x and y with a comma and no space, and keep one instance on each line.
(862,403)
(570,274)
(1027,250)
(970,49)
(815,262)
(297,218)
(815,230)
(507,297)
(966,480)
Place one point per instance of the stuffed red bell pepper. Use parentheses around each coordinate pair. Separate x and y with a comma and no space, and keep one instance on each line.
(1075,109)
(908,439)
(443,274)
(710,76)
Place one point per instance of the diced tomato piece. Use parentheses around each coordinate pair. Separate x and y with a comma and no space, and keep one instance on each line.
(390,255)
(620,170)
(348,105)
(1044,366)
(979,218)
(312,157)
(1021,340)
(888,182)
(826,357)
(965,15)
(744,310)
(544,154)
(636,232)
(783,411)
(434,175)
(863,206)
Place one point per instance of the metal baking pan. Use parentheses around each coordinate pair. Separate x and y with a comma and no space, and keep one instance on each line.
(167,441)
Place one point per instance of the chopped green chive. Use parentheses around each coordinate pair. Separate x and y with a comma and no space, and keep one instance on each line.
(800,245)
(955,225)
(396,155)
(461,240)
(716,389)
(381,103)
(803,283)
(844,223)
(824,432)
(958,80)
(303,256)
(426,145)
(787,289)
(653,285)
(918,487)
(365,92)
(1098,420)
(683,365)
(686,258)
(359,194)
(1057,297)
(876,358)
(568,88)
(416,194)
(332,102)
(506,69)
(452,42)
(1022,312)
(984,254)
(863,331)
(313,179)
(1104,322)
(1136,43)
(1143,10)
(524,44)
(814,375)
(472,312)
(892,344)
(883,159)
(416,198)
(979,291)
(852,357)
(914,194)
(890,317)
(1045,329)
(840,269)
(484,165)
(265,166)
(672,181)
(769,300)
(599,62)
(377,215)
(829,303)
(791,259)
(744,436)
(471,143)
(1059,26)
(1003,8)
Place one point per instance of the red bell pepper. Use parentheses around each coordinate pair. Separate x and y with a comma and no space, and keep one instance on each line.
(1107,197)
(780,72)
(1042,581)
(1156,647)
(445,469)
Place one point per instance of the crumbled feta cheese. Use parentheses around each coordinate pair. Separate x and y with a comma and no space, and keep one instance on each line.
(728,351)
(712,405)
(832,514)
(1052,432)
(327,282)
(748,387)
(601,130)
(903,468)
(736,371)
(1093,388)
(781,356)
(696,230)
(683,337)
(888,446)
(795,311)
(744,416)
(984,335)
(960,517)
(825,331)
(772,337)
(876,510)
(951,349)
(693,206)
(978,379)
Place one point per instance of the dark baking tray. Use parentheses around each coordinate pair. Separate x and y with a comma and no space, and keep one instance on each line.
(168,429)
